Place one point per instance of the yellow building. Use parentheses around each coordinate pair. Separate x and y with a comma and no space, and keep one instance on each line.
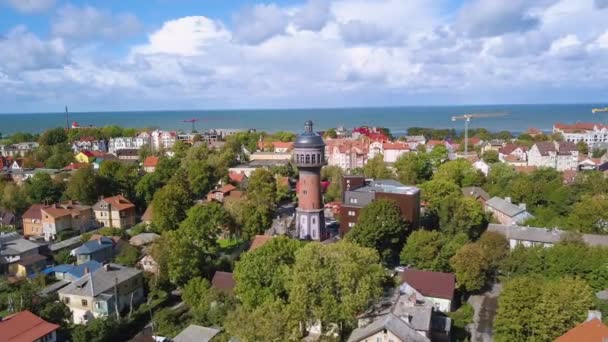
(85,157)
(27,266)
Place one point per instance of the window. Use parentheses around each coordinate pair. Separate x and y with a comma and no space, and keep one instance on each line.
(351,224)
(98,305)
(351,213)
(314,220)
(66,300)
(308,159)
(353,200)
(314,159)
(85,302)
(313,232)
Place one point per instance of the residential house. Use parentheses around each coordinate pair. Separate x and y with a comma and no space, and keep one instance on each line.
(270,156)
(506,212)
(107,291)
(532,236)
(492,145)
(18,149)
(8,219)
(482,167)
(143,239)
(414,141)
(28,266)
(223,282)
(121,143)
(346,153)
(101,250)
(436,288)
(71,273)
(148,264)
(89,144)
(387,328)
(196,333)
(64,216)
(85,157)
(590,133)
(24,326)
(558,155)
(163,140)
(249,168)
(32,221)
(391,151)
(238,179)
(150,163)
(220,193)
(593,330)
(358,192)
(477,193)
(115,211)
(127,154)
(14,248)
(513,154)
(586,163)
(275,146)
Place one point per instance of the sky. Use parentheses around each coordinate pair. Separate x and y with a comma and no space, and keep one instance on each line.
(231,54)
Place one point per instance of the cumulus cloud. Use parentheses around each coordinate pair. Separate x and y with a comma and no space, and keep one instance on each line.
(89,23)
(361,32)
(312,16)
(23,50)
(29,6)
(601,4)
(255,24)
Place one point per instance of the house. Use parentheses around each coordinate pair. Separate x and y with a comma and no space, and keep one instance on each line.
(515,152)
(592,330)
(223,282)
(55,218)
(89,144)
(162,140)
(32,221)
(85,157)
(506,212)
(196,333)
(71,273)
(18,149)
(477,193)
(127,154)
(121,143)
(346,153)
(558,155)
(391,151)
(220,193)
(116,212)
(238,179)
(259,241)
(586,163)
(109,290)
(387,328)
(482,167)
(148,264)
(569,177)
(14,248)
(8,219)
(437,288)
(590,133)
(492,145)
(24,326)
(143,239)
(101,250)
(358,192)
(532,236)
(275,146)
(28,266)
(150,163)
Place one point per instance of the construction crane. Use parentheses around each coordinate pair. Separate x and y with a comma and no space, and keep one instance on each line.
(467,118)
(193,122)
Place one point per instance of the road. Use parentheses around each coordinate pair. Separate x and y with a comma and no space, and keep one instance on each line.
(485,310)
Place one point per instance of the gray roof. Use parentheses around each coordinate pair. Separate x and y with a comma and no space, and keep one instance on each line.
(419,316)
(100,281)
(504,206)
(388,185)
(143,239)
(403,330)
(308,138)
(67,243)
(93,246)
(550,236)
(196,333)
(545,147)
(12,244)
(603,295)
(476,192)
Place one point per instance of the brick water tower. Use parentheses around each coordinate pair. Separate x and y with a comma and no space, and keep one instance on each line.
(309,156)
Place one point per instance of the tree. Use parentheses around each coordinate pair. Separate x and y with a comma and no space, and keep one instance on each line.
(272,322)
(438,155)
(422,249)
(53,137)
(515,315)
(167,322)
(461,172)
(334,175)
(262,275)
(582,147)
(435,191)
(495,247)
(334,283)
(262,187)
(64,257)
(56,312)
(589,215)
(127,256)
(330,134)
(490,157)
(14,198)
(83,186)
(471,267)
(42,189)
(376,168)
(170,205)
(208,306)
(499,178)
(414,168)
(459,214)
(382,227)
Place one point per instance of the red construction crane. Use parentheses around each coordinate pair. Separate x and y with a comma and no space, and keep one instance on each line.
(193,122)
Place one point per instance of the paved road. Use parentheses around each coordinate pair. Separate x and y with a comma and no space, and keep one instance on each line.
(485,310)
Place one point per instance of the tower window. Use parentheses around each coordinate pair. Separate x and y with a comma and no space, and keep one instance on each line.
(314,159)
(307,158)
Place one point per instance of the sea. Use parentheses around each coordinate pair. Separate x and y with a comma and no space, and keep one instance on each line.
(517,118)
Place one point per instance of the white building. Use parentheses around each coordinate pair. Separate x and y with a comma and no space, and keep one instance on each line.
(558,155)
(390,150)
(163,139)
(17,150)
(346,153)
(589,133)
(127,143)
(532,236)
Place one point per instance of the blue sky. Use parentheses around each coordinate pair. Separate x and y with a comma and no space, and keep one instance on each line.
(182,54)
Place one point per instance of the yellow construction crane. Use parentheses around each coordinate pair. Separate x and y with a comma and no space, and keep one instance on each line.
(599,110)
(467,118)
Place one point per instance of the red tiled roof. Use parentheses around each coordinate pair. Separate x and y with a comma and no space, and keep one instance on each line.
(151,161)
(223,281)
(88,154)
(579,126)
(590,331)
(237,177)
(225,189)
(75,166)
(275,144)
(33,213)
(24,326)
(119,202)
(431,284)
(259,241)
(395,146)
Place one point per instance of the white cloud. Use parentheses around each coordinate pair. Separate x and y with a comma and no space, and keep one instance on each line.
(22,50)
(313,15)
(90,23)
(360,32)
(29,6)
(257,23)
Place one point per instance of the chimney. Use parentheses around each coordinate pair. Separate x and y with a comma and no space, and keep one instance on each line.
(593,314)
(86,270)
(523,206)
(106,267)
(508,199)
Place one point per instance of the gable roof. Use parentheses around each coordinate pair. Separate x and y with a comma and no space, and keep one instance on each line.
(237,177)
(504,206)
(223,281)
(259,241)
(143,239)
(430,284)
(33,213)
(117,202)
(151,161)
(196,333)
(544,235)
(225,189)
(12,244)
(75,270)
(100,281)
(147,216)
(545,147)
(24,326)
(590,331)
(392,323)
(476,192)
(93,246)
